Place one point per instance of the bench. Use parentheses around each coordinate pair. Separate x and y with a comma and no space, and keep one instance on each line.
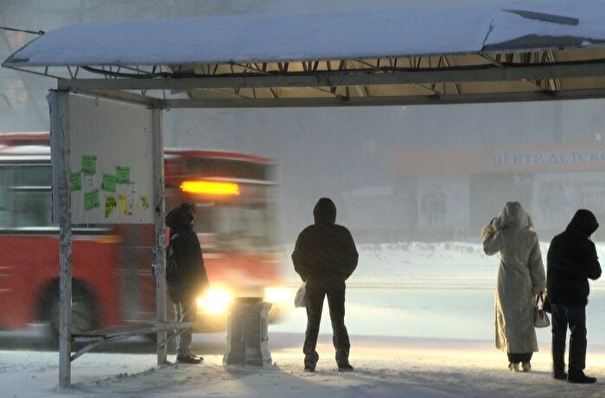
(94,338)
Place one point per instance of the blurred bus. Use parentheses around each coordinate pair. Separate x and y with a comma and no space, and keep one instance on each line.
(236,222)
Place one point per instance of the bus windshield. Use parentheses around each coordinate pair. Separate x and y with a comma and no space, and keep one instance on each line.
(234,227)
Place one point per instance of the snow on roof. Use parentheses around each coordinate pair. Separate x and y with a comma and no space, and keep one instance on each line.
(343,35)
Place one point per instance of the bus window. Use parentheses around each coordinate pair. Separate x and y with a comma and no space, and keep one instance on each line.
(32,207)
(26,196)
(3,211)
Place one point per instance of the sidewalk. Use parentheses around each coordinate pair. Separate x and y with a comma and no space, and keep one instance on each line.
(384,367)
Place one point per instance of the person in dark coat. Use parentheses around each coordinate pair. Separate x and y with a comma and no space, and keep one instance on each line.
(571,261)
(190,280)
(325,256)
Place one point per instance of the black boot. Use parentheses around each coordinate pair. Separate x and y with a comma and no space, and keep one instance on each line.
(311,359)
(558,357)
(580,378)
(345,367)
(577,362)
(559,375)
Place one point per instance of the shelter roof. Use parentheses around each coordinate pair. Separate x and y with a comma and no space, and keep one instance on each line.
(532,50)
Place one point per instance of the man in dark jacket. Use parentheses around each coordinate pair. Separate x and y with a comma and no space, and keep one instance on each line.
(572,260)
(324,257)
(190,278)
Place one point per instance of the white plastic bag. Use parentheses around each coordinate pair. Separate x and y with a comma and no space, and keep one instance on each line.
(300,298)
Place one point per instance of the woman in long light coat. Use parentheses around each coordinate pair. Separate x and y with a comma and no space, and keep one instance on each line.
(520,278)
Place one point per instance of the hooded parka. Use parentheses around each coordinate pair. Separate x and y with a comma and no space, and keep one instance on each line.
(191,279)
(325,252)
(572,260)
(325,257)
(520,278)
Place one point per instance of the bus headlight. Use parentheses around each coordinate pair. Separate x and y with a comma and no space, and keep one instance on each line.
(278,295)
(216,301)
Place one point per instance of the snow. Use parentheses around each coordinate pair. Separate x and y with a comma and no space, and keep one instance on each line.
(421,325)
(295,37)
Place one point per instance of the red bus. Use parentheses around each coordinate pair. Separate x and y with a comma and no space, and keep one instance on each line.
(236,196)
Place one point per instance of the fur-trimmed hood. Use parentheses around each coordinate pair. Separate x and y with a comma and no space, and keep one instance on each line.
(513,216)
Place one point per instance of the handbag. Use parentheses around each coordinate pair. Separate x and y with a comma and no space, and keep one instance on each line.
(540,316)
(300,299)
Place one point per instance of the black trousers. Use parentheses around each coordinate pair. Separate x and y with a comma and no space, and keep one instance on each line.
(564,316)
(336,303)
(516,358)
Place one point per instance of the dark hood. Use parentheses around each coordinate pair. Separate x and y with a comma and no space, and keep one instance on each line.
(583,222)
(325,211)
(178,219)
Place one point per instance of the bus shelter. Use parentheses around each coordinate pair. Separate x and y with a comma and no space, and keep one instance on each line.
(119,76)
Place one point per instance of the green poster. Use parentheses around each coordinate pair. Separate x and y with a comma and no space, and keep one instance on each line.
(109,182)
(110,205)
(76,181)
(89,164)
(123,175)
(91,200)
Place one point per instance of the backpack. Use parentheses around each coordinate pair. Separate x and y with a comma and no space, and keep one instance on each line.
(171,263)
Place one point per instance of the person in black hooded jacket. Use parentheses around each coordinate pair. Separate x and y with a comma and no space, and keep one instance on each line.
(190,279)
(325,257)
(571,261)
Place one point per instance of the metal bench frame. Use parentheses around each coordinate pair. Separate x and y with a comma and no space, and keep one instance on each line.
(95,338)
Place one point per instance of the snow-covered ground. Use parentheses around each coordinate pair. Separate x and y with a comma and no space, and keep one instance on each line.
(421,325)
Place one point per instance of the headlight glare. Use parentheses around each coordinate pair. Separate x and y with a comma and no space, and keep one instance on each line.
(216,301)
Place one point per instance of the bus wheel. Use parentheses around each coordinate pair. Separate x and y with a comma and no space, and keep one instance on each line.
(84,315)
